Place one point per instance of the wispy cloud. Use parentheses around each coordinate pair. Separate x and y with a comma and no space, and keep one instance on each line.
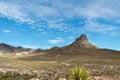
(7,31)
(26,10)
(54,14)
(31,46)
(99,9)
(56,41)
(93,26)
(13,11)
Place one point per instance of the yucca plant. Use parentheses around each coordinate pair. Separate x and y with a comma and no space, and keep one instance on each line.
(80,73)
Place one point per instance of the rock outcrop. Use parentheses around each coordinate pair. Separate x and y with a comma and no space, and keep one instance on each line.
(82,42)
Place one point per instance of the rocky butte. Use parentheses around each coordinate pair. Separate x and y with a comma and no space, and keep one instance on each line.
(82,42)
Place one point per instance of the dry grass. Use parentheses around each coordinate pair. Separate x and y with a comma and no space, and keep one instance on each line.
(59,65)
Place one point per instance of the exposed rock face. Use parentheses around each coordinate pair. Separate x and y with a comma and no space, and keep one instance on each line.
(83,37)
(82,42)
(4,48)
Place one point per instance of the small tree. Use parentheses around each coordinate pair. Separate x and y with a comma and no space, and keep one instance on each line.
(80,73)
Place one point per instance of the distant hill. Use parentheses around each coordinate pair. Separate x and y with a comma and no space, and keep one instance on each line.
(81,48)
(4,48)
(79,43)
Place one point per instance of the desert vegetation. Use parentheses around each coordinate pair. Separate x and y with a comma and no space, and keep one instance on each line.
(45,69)
(15,76)
(80,73)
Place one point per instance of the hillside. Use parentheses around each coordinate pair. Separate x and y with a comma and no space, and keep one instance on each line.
(5,48)
(80,49)
(103,64)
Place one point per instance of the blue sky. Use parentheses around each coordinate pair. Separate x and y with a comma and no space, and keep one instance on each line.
(47,23)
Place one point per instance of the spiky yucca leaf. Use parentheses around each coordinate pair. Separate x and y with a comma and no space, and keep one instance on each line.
(80,73)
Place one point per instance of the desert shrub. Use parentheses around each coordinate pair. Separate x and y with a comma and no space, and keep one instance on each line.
(15,76)
(80,73)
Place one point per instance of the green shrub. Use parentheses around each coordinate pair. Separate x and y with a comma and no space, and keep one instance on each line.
(80,73)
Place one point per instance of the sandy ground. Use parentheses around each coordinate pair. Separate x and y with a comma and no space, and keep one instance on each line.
(104,78)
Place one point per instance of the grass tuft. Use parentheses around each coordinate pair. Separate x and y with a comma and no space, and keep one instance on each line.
(80,73)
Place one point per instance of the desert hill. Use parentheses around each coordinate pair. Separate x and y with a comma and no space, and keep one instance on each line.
(5,48)
(81,48)
(82,42)
(60,60)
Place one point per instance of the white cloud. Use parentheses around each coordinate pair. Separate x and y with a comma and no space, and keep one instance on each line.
(53,14)
(105,9)
(57,24)
(55,41)
(7,31)
(93,26)
(26,10)
(31,46)
(13,11)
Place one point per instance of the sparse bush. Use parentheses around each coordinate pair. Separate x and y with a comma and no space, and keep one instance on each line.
(15,76)
(80,73)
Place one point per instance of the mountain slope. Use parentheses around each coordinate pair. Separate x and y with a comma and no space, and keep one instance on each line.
(4,48)
(80,49)
(82,42)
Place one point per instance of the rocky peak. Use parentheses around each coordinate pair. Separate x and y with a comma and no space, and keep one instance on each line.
(82,38)
(82,42)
